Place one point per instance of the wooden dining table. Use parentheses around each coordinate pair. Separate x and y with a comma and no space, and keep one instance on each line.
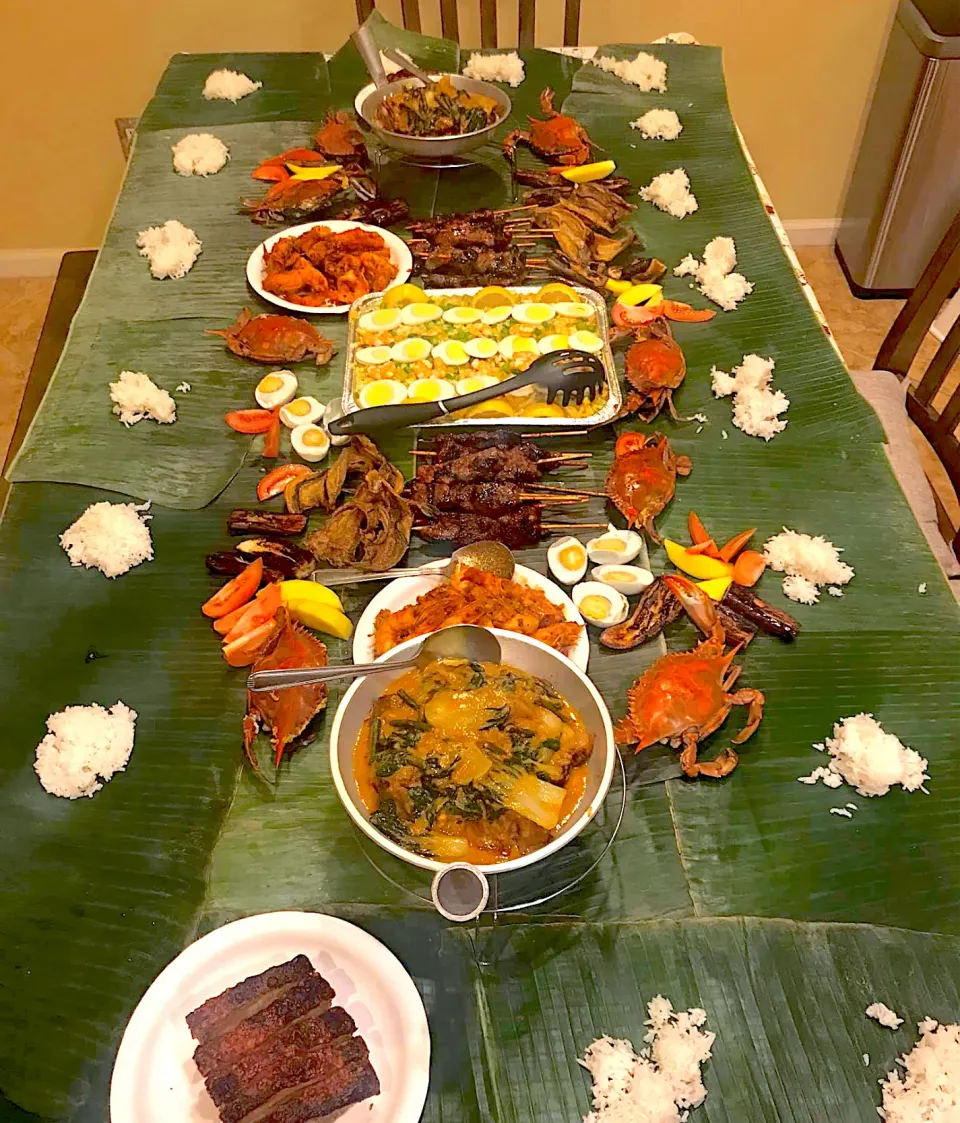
(743,896)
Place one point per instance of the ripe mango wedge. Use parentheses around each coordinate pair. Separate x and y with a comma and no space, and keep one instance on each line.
(587,173)
(317,607)
(310,590)
(697,565)
(716,587)
(299,171)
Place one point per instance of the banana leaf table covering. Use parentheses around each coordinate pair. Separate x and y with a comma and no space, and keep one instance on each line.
(746,897)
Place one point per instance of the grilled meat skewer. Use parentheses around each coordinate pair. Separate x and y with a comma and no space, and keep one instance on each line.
(488,498)
(517,530)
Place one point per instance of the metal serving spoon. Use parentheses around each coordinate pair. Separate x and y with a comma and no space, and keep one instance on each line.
(408,64)
(464,641)
(493,557)
(569,373)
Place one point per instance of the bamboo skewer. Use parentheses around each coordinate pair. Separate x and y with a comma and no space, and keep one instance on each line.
(577,490)
(573,526)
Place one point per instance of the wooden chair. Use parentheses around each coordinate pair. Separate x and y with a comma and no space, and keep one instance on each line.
(931,405)
(450,24)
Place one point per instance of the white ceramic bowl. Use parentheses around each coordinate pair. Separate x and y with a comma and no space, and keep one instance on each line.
(528,655)
(399,254)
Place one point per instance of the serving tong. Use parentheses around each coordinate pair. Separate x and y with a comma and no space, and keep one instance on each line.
(569,374)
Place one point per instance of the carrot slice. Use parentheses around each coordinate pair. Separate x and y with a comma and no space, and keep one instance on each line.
(271,443)
(748,567)
(698,532)
(270,173)
(708,547)
(736,544)
(235,592)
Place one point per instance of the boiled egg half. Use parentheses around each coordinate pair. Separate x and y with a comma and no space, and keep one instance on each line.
(373,356)
(626,579)
(276,389)
(552,343)
(513,346)
(462,315)
(333,412)
(567,560)
(599,604)
(311,442)
(586,341)
(382,319)
(481,347)
(412,350)
(497,315)
(574,311)
(420,313)
(386,392)
(301,411)
(614,547)
(451,352)
(429,390)
(532,313)
(475,382)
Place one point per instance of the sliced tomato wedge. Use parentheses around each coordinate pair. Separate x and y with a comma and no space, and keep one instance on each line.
(271,443)
(633,315)
(275,481)
(250,420)
(261,609)
(225,624)
(236,592)
(242,652)
(677,310)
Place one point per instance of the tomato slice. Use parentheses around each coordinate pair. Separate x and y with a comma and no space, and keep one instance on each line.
(250,420)
(242,652)
(633,315)
(271,443)
(274,482)
(224,624)
(262,608)
(236,592)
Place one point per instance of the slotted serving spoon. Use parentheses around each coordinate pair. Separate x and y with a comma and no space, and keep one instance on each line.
(570,374)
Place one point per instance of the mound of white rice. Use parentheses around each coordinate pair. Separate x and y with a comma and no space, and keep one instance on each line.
(871,760)
(884,1015)
(111,537)
(670,191)
(661,1082)
(171,249)
(199,154)
(714,275)
(228,85)
(809,562)
(645,71)
(496,68)
(683,37)
(135,396)
(929,1089)
(84,746)
(756,408)
(658,124)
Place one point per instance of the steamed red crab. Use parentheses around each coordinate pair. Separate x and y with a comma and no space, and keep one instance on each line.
(643,477)
(558,140)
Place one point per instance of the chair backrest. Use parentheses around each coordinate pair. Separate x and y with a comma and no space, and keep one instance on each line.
(450,21)
(934,404)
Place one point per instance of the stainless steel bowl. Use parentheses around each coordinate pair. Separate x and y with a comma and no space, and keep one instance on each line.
(435,147)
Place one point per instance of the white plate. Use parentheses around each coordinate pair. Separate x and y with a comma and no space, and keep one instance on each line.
(405,590)
(399,255)
(154,1078)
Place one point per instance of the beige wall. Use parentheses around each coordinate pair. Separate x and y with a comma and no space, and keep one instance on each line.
(800,74)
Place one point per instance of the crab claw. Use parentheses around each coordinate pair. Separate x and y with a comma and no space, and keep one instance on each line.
(697,605)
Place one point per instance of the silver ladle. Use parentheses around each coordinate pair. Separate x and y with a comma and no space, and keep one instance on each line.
(463,641)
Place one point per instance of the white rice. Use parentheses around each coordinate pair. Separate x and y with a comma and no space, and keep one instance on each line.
(884,1015)
(661,1082)
(670,191)
(84,746)
(841,811)
(496,68)
(182,388)
(830,779)
(171,249)
(808,562)
(929,1089)
(683,37)
(756,408)
(228,85)
(714,274)
(658,124)
(645,71)
(870,759)
(199,154)
(391,67)
(135,396)
(111,537)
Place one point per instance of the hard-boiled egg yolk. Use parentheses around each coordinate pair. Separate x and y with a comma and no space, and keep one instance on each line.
(595,607)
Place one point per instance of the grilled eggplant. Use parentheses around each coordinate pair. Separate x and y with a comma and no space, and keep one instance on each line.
(291,560)
(265,522)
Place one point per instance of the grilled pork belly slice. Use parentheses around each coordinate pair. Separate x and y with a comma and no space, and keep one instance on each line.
(221,1014)
(312,998)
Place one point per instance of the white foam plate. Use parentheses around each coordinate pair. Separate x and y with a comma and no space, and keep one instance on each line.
(154,1078)
(405,590)
(399,255)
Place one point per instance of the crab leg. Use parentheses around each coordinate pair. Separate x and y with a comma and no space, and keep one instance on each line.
(755,700)
(697,605)
(722,764)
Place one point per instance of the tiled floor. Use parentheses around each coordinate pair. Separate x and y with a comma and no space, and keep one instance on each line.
(858,325)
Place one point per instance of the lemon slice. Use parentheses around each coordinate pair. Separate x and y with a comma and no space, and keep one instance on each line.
(543,409)
(587,173)
(556,293)
(492,409)
(401,295)
(493,296)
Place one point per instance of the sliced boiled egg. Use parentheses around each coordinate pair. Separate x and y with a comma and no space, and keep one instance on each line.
(411,350)
(512,346)
(497,315)
(600,605)
(586,341)
(574,311)
(481,347)
(462,315)
(552,343)
(429,390)
(614,547)
(386,392)
(567,560)
(382,319)
(532,313)
(311,442)
(419,313)
(626,579)
(276,389)
(373,356)
(476,382)
(451,352)
(333,412)
(301,411)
